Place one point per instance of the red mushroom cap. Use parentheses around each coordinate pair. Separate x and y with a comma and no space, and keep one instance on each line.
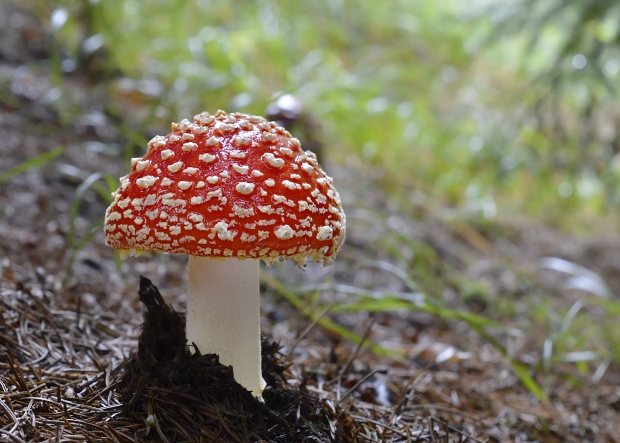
(227,186)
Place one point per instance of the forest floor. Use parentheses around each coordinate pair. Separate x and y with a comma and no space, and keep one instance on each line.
(69,327)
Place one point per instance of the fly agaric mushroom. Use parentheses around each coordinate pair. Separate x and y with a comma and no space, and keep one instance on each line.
(234,188)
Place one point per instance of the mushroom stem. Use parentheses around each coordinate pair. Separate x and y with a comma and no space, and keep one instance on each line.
(223,315)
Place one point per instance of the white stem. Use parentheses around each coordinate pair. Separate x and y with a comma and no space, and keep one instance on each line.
(223,315)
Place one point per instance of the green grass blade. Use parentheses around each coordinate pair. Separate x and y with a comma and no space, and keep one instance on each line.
(35,162)
(412,301)
(388,305)
(373,301)
(395,270)
(324,322)
(104,192)
(79,195)
(611,306)
(522,371)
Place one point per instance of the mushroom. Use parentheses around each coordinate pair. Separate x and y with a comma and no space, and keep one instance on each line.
(227,190)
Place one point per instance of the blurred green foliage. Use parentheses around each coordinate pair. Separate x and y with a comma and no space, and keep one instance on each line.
(505,106)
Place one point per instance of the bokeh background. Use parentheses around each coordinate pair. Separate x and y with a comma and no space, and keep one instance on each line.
(476,145)
(493,107)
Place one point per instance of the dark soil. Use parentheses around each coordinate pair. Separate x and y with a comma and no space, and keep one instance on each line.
(194,397)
